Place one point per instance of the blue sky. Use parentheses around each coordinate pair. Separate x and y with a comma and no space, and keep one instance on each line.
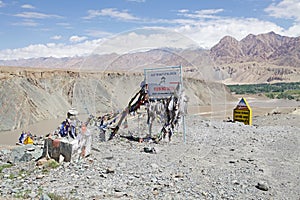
(60,28)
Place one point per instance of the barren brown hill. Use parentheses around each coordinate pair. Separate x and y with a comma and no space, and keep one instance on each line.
(255,59)
(269,47)
(31,95)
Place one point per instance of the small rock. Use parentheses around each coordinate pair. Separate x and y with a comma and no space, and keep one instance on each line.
(6,176)
(204,194)
(45,197)
(103,175)
(262,186)
(32,195)
(40,176)
(110,170)
(179,175)
(61,158)
(155,191)
(41,162)
(155,166)
(30,149)
(86,166)
(117,189)
(136,176)
(109,157)
(149,150)
(154,180)
(5,151)
(204,172)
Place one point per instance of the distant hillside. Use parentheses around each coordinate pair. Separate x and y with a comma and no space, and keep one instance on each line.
(270,47)
(31,95)
(264,58)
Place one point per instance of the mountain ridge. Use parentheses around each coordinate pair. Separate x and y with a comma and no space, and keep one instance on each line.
(262,58)
(269,47)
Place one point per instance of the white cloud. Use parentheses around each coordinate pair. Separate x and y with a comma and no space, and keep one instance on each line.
(144,39)
(27,6)
(76,38)
(36,15)
(111,12)
(26,22)
(293,31)
(183,11)
(50,49)
(286,9)
(206,29)
(209,13)
(1,4)
(126,42)
(208,33)
(65,25)
(56,37)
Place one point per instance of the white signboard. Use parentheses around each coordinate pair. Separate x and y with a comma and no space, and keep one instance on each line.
(162,82)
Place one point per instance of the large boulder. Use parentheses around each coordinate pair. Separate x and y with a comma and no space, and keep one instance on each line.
(69,150)
(25,153)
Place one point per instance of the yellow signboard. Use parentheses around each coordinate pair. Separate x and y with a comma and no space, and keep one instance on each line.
(243,112)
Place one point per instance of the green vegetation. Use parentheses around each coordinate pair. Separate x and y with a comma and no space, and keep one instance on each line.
(55,196)
(23,173)
(5,166)
(52,164)
(11,176)
(40,191)
(45,171)
(276,90)
(22,194)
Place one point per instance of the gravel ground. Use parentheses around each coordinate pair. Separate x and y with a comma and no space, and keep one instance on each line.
(219,160)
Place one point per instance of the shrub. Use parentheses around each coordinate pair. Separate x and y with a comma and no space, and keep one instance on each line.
(5,166)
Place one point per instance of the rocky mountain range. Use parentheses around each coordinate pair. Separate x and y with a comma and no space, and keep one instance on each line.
(270,47)
(255,59)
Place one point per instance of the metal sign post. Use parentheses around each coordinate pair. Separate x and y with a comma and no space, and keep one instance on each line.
(162,83)
(243,112)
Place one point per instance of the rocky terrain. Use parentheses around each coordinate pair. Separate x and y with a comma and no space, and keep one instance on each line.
(29,95)
(269,47)
(219,160)
(257,59)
